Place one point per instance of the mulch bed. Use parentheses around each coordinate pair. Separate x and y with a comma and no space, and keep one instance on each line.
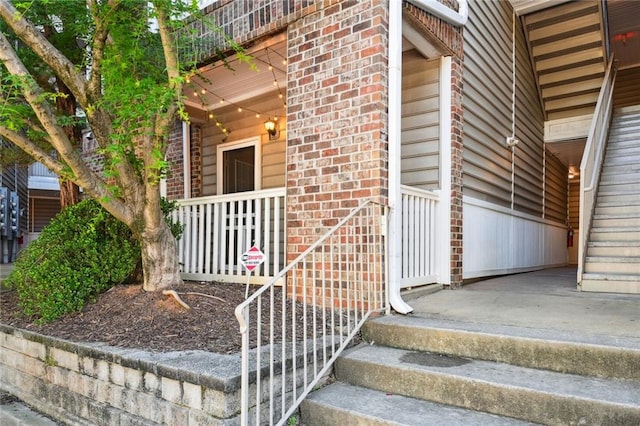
(126,316)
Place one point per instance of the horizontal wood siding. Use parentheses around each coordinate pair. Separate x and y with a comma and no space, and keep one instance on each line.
(529,119)
(556,200)
(420,121)
(41,211)
(487,102)
(243,125)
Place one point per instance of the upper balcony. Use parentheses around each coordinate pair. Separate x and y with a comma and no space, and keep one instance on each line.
(42,178)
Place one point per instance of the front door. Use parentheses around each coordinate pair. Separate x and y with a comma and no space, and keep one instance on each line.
(238,171)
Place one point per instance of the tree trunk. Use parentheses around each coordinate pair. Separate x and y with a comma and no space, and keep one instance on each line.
(69,193)
(159,258)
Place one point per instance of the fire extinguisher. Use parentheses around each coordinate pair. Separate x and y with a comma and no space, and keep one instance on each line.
(570,237)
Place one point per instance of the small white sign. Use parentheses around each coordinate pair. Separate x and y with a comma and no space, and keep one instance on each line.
(252,258)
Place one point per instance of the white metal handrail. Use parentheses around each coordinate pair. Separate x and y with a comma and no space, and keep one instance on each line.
(218,229)
(592,159)
(331,289)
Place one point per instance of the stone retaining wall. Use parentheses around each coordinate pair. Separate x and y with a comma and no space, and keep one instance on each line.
(99,384)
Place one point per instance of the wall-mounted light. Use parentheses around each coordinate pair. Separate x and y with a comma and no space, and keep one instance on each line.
(272,128)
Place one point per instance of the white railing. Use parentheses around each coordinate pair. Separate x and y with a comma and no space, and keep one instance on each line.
(592,158)
(218,229)
(331,289)
(418,236)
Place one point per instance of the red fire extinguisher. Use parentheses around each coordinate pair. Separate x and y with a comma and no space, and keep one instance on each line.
(570,237)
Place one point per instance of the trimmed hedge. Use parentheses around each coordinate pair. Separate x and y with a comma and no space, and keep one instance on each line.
(80,254)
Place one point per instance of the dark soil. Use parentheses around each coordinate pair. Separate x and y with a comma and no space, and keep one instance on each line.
(126,316)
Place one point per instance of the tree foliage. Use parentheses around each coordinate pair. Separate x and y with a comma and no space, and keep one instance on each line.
(81,253)
(119,61)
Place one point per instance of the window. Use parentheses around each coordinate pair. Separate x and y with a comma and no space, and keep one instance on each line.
(239,166)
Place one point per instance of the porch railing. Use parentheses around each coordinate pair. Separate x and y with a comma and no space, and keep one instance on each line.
(418,236)
(219,229)
(592,159)
(331,289)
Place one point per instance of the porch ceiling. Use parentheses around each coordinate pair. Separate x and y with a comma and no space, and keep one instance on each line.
(218,86)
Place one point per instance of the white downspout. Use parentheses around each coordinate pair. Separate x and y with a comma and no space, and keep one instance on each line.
(395,196)
(395,107)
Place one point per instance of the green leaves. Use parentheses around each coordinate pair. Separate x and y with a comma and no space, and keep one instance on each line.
(83,252)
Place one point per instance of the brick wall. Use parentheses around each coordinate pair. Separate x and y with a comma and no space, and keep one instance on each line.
(336,149)
(175,177)
(337,102)
(196,160)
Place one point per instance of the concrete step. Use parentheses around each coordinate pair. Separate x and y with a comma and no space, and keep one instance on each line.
(615,234)
(629,144)
(525,347)
(620,160)
(617,196)
(629,141)
(611,283)
(617,208)
(610,249)
(344,404)
(632,219)
(620,178)
(614,265)
(534,395)
(621,156)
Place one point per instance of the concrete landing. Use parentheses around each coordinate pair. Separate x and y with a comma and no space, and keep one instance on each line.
(546,299)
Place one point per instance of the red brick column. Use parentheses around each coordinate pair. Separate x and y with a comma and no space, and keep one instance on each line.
(456,172)
(336,121)
(175,177)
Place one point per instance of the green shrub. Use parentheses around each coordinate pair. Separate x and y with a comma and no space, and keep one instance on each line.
(81,253)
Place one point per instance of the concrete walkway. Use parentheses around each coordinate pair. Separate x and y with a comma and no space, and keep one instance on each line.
(545,299)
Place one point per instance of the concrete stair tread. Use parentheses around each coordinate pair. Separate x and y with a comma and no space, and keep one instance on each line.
(617,215)
(611,277)
(510,331)
(630,243)
(614,259)
(626,229)
(617,392)
(344,402)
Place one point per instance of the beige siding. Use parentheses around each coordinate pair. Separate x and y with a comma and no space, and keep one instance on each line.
(420,118)
(556,200)
(574,203)
(243,125)
(41,211)
(487,101)
(529,121)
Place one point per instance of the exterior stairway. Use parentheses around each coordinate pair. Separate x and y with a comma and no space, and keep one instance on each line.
(612,263)
(425,371)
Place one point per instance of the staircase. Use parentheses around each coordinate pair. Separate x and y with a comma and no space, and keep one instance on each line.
(613,252)
(425,371)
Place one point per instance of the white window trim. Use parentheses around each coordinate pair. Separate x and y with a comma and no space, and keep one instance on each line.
(255,142)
